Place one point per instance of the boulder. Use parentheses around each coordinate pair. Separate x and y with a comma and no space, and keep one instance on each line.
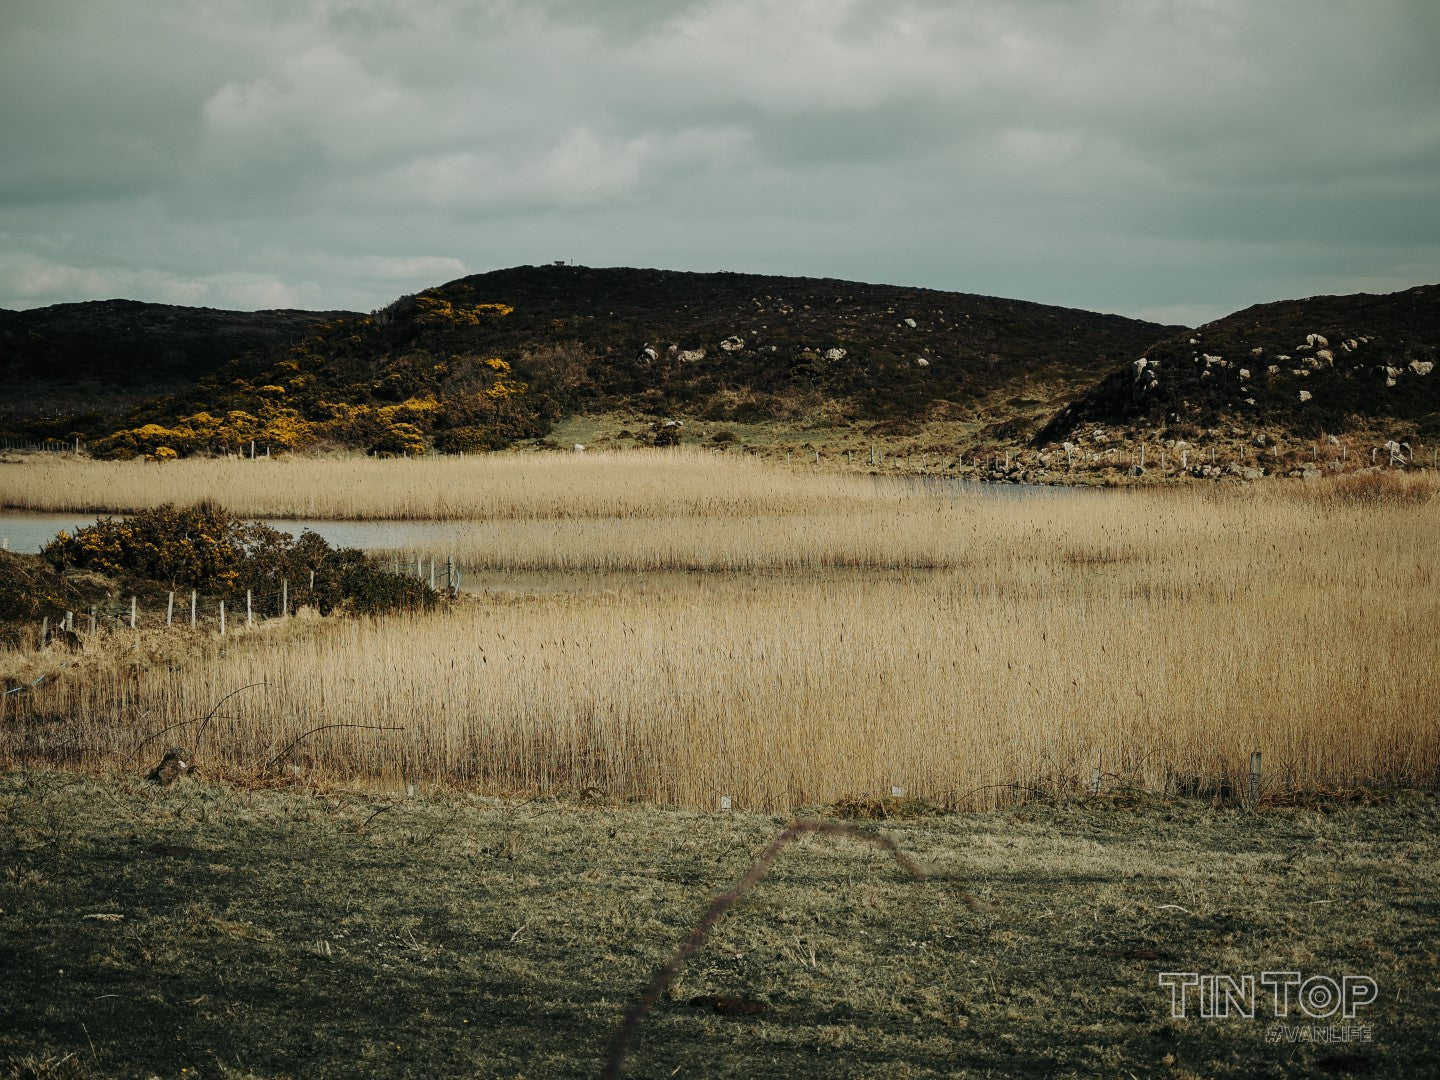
(1422,367)
(733,343)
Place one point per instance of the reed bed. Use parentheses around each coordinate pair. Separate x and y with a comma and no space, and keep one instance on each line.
(971,651)
(633,484)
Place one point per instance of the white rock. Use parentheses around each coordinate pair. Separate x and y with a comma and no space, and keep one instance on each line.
(1325,356)
(910,323)
(649,354)
(922,362)
(579,448)
(690,356)
(1393,373)
(1257,351)
(1273,369)
(733,343)
(834,354)
(1244,373)
(1304,395)
(1422,367)
(1389,382)
(1282,358)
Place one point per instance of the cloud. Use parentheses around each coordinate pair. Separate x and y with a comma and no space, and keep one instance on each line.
(1121,154)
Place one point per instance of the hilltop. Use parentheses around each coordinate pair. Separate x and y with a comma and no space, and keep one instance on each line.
(1325,365)
(567,340)
(547,355)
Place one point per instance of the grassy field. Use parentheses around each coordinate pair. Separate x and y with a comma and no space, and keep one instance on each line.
(204,930)
(463,844)
(970,650)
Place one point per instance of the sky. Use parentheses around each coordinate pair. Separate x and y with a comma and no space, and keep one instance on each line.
(1165,159)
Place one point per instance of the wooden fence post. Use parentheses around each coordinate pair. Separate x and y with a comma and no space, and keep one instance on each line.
(192,609)
(92,621)
(284,597)
(170,609)
(44,630)
(132,613)
(1255,778)
(249,615)
(222,618)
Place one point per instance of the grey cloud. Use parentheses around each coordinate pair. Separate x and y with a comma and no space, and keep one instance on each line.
(1117,154)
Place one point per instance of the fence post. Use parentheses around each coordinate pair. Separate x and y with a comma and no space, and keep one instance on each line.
(170,609)
(92,621)
(1255,778)
(284,597)
(222,618)
(192,609)
(132,613)
(44,630)
(70,622)
(249,616)
(432,571)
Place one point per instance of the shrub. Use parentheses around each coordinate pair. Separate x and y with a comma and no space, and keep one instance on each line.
(205,547)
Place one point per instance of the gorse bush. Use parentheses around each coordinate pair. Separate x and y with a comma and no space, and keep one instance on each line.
(207,548)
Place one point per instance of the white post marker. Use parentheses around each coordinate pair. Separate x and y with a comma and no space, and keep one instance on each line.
(726,803)
(222,618)
(897,792)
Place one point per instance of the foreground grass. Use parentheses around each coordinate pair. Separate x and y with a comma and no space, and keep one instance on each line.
(203,930)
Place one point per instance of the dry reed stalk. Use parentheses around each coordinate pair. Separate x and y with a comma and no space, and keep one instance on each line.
(487,487)
(1159,647)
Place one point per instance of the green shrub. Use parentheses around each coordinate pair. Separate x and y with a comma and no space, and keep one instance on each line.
(205,547)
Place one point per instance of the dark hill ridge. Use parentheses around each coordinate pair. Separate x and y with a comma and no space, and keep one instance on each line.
(125,342)
(100,356)
(720,346)
(1327,364)
(746,346)
(487,360)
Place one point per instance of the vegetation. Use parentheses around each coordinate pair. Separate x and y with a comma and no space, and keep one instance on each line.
(207,548)
(174,932)
(1298,368)
(971,650)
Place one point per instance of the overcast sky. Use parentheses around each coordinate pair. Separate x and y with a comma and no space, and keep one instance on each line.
(1172,159)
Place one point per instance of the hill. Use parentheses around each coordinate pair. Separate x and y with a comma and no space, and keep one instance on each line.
(1300,368)
(566,340)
